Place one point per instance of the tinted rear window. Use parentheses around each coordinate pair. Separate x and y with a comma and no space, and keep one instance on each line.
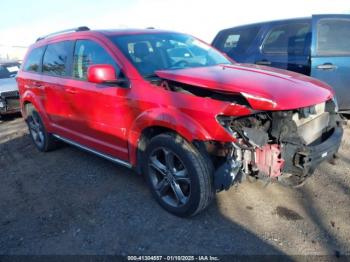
(238,40)
(289,38)
(32,64)
(333,37)
(55,58)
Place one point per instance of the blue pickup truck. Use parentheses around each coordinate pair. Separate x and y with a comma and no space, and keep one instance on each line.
(318,46)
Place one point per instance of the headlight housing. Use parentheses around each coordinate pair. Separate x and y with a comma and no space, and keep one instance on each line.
(225,122)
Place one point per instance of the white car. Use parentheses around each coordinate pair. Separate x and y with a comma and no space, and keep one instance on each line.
(9,96)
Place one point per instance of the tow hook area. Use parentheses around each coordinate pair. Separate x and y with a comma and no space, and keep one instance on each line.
(268,160)
(226,174)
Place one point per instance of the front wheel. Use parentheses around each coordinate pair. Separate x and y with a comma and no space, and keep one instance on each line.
(178,175)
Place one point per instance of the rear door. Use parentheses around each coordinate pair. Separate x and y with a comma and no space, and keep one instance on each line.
(55,70)
(330,60)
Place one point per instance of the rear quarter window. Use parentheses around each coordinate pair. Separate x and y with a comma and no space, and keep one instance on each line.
(238,39)
(33,61)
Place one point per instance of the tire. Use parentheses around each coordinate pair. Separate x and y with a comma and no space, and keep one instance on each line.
(178,175)
(43,140)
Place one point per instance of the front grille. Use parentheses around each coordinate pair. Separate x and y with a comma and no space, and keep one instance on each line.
(7,94)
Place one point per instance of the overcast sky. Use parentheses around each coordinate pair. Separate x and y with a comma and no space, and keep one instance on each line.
(22,21)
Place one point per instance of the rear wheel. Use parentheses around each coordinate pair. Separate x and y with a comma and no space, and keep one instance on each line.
(179,177)
(43,140)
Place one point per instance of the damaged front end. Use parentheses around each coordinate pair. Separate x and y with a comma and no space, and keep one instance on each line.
(284,146)
(282,139)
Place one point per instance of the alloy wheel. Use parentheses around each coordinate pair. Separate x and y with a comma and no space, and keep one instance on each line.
(36,129)
(169,177)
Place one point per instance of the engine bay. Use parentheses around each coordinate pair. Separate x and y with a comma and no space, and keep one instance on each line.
(281,144)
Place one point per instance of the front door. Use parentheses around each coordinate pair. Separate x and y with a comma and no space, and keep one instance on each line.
(98,110)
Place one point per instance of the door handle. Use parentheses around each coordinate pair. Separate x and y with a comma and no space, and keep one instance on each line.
(263,62)
(326,66)
(72,91)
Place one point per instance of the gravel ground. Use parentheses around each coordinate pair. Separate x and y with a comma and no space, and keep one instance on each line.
(71,202)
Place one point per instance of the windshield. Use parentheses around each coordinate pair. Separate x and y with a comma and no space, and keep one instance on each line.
(9,70)
(166,51)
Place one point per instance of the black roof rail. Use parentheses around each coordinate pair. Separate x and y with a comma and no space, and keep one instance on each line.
(77,29)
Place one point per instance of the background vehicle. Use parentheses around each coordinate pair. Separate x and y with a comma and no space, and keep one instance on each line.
(193,126)
(318,46)
(9,96)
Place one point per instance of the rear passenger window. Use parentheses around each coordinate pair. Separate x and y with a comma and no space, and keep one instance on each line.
(333,37)
(238,40)
(88,53)
(55,58)
(32,64)
(290,38)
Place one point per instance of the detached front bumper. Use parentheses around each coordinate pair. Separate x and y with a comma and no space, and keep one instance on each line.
(309,157)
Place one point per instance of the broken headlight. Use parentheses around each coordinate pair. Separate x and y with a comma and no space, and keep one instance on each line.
(253,129)
(225,122)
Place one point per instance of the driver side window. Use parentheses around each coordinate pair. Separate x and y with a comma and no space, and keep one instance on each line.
(86,53)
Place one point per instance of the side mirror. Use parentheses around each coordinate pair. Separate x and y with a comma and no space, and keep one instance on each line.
(102,73)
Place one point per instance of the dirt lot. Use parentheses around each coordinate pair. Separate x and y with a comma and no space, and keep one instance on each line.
(72,202)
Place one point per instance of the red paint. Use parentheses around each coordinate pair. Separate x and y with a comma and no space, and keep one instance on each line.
(268,160)
(111,119)
(265,88)
(101,73)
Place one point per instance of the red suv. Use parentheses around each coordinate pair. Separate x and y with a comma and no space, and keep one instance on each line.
(178,111)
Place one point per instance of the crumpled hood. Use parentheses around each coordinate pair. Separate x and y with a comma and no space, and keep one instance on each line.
(8,84)
(265,88)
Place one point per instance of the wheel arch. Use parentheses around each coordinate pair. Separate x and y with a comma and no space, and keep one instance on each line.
(150,124)
(28,99)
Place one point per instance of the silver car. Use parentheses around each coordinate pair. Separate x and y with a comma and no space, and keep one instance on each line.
(9,96)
